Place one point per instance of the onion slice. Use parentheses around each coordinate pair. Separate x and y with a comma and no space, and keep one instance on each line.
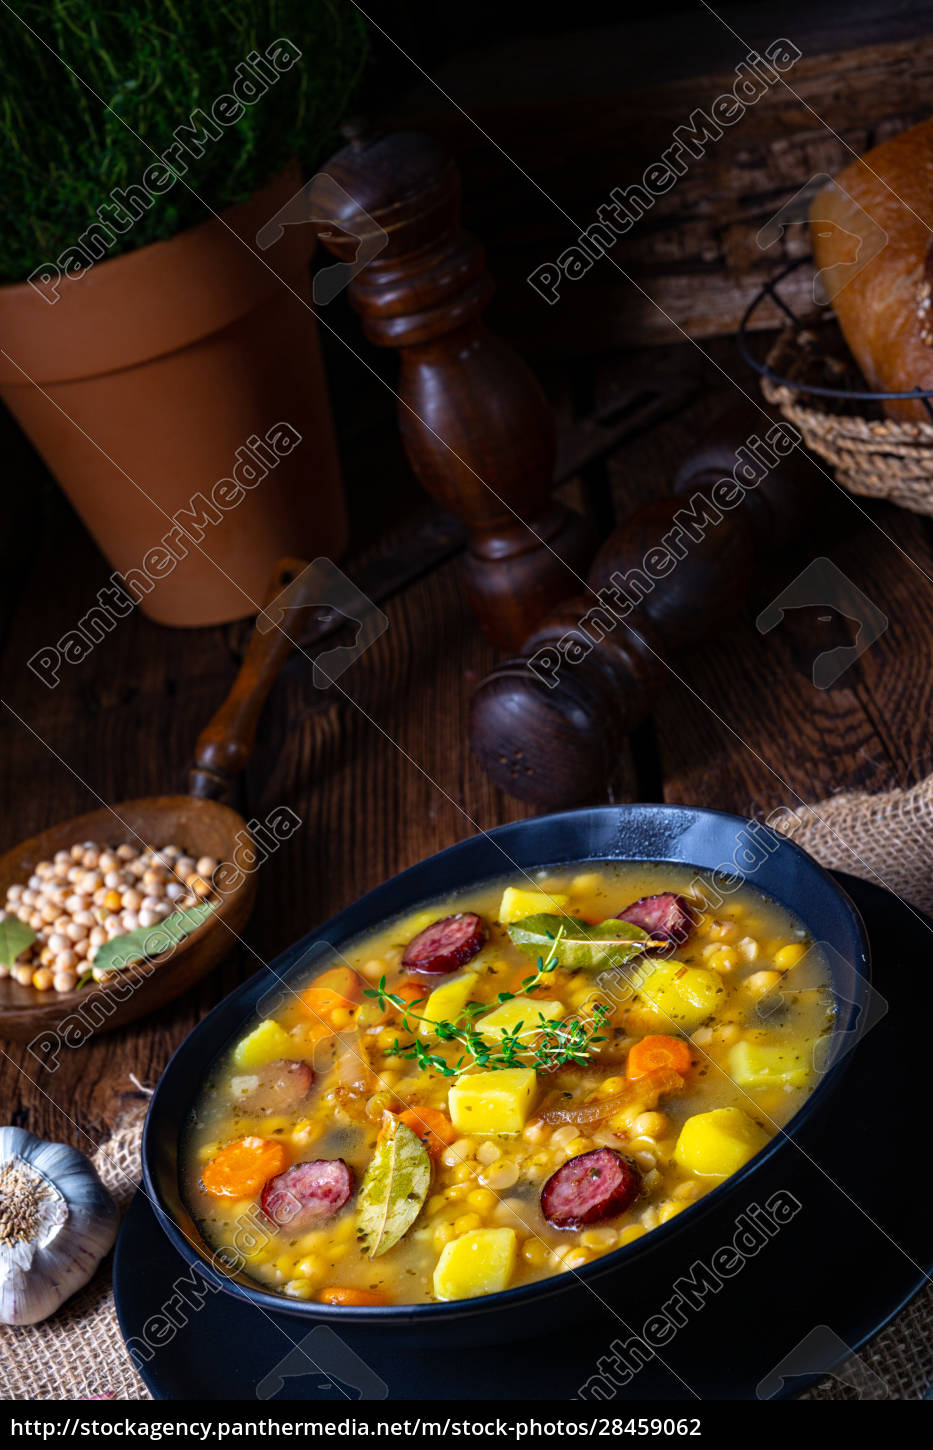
(645,1092)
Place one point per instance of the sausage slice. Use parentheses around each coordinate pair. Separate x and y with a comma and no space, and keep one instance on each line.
(278,1087)
(308,1194)
(590,1187)
(446,945)
(666,915)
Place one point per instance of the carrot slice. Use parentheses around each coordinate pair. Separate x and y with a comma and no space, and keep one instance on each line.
(241,1168)
(658,1054)
(340,987)
(337,1294)
(433,1127)
(315,1031)
(409,992)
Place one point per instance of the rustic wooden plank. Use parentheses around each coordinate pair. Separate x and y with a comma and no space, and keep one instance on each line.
(125,722)
(127,719)
(667,43)
(695,250)
(347,763)
(744,728)
(366,810)
(894,678)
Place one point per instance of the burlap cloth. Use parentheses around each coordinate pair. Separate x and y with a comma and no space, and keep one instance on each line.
(79,1352)
(886,839)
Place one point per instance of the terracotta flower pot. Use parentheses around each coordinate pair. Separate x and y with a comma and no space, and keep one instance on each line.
(185,378)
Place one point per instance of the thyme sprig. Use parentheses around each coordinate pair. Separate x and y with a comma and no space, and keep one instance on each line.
(556,1045)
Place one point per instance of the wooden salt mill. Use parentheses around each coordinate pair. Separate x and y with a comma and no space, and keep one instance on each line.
(475,423)
(547,727)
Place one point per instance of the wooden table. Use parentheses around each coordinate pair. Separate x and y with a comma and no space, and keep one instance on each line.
(384,778)
(387,779)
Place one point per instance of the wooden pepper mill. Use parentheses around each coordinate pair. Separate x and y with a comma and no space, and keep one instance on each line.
(547,727)
(475,423)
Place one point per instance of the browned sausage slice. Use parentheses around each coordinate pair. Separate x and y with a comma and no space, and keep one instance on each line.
(308,1194)
(445,945)
(278,1087)
(590,1187)
(666,915)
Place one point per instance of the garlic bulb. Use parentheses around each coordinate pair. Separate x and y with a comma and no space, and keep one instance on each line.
(57,1221)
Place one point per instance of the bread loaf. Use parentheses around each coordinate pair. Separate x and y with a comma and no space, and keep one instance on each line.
(871,233)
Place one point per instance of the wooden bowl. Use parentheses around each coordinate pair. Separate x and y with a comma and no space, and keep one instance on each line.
(201,828)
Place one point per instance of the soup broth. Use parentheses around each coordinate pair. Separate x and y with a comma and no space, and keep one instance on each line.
(439,1112)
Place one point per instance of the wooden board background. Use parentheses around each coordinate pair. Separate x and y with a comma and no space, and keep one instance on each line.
(385,778)
(582,115)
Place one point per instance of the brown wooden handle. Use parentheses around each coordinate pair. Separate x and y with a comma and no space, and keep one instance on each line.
(225,744)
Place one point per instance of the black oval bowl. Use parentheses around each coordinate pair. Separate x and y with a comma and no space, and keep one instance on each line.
(712,841)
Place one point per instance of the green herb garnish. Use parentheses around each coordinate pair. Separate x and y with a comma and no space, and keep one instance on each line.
(16,937)
(610,943)
(151,941)
(556,1044)
(394,1189)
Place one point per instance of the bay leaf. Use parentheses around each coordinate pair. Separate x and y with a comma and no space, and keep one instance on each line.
(394,1187)
(15,937)
(151,941)
(580,944)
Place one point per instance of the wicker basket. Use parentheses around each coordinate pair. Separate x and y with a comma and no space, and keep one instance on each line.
(871,454)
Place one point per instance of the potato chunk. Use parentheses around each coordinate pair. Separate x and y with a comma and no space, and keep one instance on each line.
(492,1102)
(480,1262)
(493,1026)
(446,1003)
(679,996)
(756,1065)
(718,1143)
(265,1043)
(517,904)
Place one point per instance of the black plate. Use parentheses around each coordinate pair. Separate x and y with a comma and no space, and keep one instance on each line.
(857,1249)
